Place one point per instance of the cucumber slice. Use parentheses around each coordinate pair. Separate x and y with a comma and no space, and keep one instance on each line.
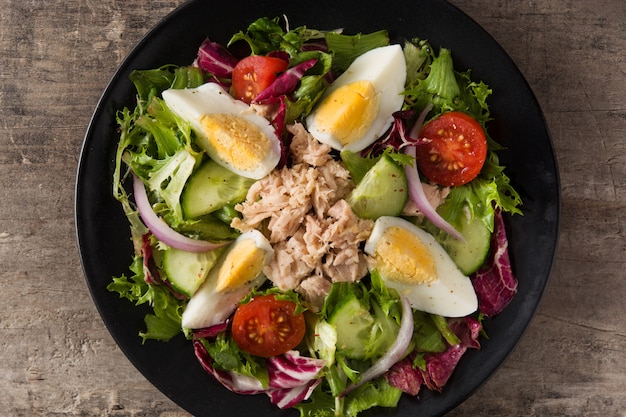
(468,255)
(210,187)
(383,191)
(186,271)
(353,324)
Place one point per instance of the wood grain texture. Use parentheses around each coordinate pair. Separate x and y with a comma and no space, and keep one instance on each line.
(57,358)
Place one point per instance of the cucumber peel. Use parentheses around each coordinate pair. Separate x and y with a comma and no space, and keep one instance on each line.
(210,188)
(383,190)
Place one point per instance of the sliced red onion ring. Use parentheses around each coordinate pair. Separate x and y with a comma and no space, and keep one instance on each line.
(161,230)
(395,352)
(416,192)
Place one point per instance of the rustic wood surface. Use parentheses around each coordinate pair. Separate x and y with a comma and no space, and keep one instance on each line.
(56,356)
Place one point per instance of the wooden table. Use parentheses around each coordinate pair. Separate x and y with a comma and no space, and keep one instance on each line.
(57,358)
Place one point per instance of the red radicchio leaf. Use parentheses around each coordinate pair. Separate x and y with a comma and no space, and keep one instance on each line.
(291,370)
(286,398)
(292,377)
(467,329)
(495,284)
(315,46)
(279,119)
(286,82)
(279,54)
(148,263)
(240,384)
(399,136)
(211,331)
(439,366)
(215,59)
(405,377)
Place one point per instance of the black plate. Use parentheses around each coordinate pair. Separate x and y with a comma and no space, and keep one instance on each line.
(103,233)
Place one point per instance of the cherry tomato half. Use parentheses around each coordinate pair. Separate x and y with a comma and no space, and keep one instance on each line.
(254,74)
(456,150)
(267,326)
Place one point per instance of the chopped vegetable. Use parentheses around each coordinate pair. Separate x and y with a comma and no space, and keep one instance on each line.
(215,59)
(268,327)
(254,74)
(161,230)
(495,283)
(454,149)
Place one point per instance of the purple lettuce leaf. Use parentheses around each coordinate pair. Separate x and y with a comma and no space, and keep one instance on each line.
(212,331)
(241,384)
(405,377)
(286,82)
(292,378)
(215,59)
(495,284)
(439,366)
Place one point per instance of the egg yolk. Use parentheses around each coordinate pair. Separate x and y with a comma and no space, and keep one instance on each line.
(236,141)
(348,112)
(401,256)
(241,265)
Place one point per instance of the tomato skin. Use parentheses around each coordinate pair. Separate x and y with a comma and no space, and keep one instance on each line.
(455,151)
(267,327)
(254,74)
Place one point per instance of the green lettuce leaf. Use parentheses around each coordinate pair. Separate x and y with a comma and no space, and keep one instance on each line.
(228,357)
(165,321)
(346,48)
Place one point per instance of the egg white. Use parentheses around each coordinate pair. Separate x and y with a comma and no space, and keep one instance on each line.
(208,306)
(191,104)
(385,68)
(450,295)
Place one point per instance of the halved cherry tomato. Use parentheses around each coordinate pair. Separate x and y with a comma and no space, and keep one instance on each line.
(456,150)
(254,74)
(267,326)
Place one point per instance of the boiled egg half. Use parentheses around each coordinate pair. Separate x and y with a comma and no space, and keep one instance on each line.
(412,262)
(236,273)
(357,107)
(228,130)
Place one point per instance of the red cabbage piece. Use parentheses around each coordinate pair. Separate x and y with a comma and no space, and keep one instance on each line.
(148,263)
(211,331)
(315,46)
(286,398)
(286,82)
(495,284)
(399,135)
(405,377)
(292,378)
(279,54)
(291,370)
(215,59)
(467,329)
(439,366)
(240,384)
(277,115)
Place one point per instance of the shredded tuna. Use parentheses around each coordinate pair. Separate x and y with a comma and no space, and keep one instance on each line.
(434,194)
(304,149)
(316,237)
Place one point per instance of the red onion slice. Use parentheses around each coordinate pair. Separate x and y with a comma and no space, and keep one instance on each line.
(161,230)
(416,192)
(395,352)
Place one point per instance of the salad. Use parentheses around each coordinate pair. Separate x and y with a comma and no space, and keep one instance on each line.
(319,214)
